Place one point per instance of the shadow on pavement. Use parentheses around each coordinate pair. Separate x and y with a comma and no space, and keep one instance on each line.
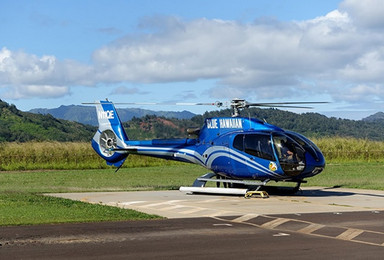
(320,192)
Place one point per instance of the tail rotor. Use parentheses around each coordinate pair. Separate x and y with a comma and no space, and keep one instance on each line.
(110,139)
(108,142)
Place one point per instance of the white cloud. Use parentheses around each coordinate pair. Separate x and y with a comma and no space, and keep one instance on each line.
(29,91)
(339,54)
(369,67)
(367,13)
(264,57)
(24,75)
(360,94)
(20,67)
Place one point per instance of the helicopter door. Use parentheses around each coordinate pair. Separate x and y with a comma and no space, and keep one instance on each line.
(239,168)
(290,153)
(257,148)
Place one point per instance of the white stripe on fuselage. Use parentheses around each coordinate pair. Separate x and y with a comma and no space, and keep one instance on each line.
(207,158)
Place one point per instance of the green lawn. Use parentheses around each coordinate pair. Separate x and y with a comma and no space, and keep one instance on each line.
(30,209)
(142,178)
(351,175)
(22,202)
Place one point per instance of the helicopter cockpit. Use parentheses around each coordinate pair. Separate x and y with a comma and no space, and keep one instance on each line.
(290,154)
(288,148)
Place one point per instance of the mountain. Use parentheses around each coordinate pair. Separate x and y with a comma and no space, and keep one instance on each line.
(378,117)
(87,114)
(24,126)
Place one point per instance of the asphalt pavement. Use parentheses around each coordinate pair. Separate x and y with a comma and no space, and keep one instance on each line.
(350,235)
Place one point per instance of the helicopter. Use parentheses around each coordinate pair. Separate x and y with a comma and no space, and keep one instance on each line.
(243,154)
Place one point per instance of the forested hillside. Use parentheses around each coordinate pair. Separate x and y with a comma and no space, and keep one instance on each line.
(87,114)
(152,126)
(24,126)
(309,124)
(16,125)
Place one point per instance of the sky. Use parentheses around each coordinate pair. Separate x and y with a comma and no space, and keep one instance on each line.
(66,52)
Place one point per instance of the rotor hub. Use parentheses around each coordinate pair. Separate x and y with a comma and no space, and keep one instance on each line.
(236,105)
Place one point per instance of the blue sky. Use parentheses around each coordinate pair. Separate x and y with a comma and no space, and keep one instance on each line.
(60,52)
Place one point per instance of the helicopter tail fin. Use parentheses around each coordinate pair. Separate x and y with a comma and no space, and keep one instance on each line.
(110,139)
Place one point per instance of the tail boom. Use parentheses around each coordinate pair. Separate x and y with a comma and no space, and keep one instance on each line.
(112,144)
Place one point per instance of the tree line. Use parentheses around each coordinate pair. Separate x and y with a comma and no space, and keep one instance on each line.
(16,125)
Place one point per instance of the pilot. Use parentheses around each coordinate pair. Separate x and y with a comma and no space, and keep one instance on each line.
(287,153)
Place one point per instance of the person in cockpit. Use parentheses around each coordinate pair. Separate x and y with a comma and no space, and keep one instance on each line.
(286,151)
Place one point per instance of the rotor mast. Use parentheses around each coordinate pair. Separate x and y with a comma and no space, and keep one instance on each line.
(236,105)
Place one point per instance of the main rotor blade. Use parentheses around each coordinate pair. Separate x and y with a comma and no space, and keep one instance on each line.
(305,107)
(125,103)
(284,104)
(217,103)
(235,103)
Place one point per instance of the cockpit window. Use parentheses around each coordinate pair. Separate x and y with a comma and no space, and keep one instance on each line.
(290,154)
(307,144)
(258,145)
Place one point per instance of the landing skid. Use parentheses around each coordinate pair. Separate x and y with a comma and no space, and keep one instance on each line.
(232,187)
(202,181)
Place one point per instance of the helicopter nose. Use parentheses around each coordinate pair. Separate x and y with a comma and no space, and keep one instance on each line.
(314,165)
(317,170)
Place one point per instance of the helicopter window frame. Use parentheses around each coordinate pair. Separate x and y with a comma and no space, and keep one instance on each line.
(307,144)
(307,140)
(291,154)
(258,145)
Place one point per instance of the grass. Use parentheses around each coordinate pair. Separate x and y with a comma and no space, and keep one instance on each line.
(351,175)
(141,178)
(77,156)
(61,156)
(351,150)
(21,202)
(31,209)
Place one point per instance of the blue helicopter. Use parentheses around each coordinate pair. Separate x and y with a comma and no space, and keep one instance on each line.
(240,152)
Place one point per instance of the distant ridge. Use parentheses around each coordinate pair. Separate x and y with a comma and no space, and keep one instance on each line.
(87,114)
(24,126)
(18,126)
(378,117)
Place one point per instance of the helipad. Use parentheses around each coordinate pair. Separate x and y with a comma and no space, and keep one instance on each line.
(176,204)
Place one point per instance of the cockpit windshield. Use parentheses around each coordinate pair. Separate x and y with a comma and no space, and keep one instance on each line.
(290,154)
(307,144)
